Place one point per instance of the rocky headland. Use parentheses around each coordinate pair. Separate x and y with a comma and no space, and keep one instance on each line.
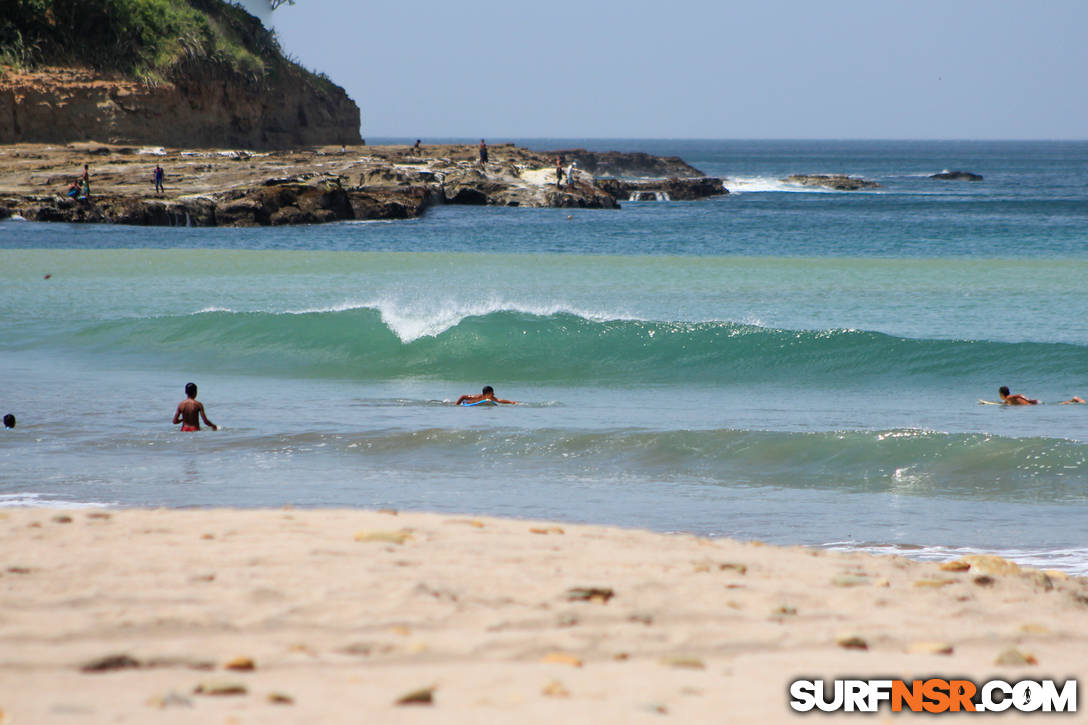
(225,187)
(836,182)
(246,136)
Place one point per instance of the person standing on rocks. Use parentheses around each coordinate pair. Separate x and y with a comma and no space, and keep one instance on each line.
(86,182)
(558,171)
(159,189)
(483,152)
(570,173)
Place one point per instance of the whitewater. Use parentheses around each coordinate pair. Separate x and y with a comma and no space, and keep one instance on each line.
(790,365)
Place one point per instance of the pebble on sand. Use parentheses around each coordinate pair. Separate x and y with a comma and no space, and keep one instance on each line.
(549,530)
(241,664)
(852,641)
(110,663)
(990,564)
(389,537)
(555,689)
(597,595)
(958,565)
(280,698)
(561,658)
(474,523)
(217,688)
(691,663)
(930,648)
(1015,657)
(422,696)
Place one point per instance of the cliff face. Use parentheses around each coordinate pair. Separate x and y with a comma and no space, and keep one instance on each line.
(183,73)
(60,105)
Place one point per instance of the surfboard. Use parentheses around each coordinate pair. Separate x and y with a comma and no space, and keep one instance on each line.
(989,402)
(485,401)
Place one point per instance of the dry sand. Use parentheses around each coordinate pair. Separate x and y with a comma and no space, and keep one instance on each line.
(341,613)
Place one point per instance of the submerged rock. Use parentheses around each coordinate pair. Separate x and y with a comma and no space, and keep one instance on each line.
(837,182)
(673,189)
(956,176)
(626,163)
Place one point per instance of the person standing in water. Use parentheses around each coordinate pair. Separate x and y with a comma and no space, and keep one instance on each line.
(190,411)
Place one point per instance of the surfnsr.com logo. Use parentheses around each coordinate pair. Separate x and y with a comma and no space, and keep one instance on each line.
(933,695)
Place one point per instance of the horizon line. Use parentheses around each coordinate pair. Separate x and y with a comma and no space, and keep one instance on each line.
(736,138)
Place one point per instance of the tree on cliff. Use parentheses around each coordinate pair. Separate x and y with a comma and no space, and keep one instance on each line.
(206,72)
(146,39)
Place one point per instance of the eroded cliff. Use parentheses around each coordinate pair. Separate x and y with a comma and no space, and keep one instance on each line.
(222,82)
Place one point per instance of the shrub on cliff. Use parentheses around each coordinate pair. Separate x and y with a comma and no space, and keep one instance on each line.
(151,40)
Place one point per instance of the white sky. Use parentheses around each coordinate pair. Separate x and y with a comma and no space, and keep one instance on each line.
(978,69)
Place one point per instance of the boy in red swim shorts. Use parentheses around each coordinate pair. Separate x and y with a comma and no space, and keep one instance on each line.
(190,411)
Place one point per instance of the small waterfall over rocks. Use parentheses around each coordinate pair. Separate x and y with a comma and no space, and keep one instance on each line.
(649,196)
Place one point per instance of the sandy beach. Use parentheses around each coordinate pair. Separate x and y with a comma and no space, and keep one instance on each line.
(332,616)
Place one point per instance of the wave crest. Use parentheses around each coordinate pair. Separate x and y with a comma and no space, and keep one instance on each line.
(554,343)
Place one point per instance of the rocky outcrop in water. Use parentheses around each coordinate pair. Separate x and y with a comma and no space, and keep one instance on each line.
(626,164)
(837,182)
(663,189)
(244,188)
(957,176)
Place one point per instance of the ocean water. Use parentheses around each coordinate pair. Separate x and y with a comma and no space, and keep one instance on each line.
(787,364)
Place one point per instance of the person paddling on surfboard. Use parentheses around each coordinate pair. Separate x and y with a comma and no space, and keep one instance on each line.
(1074,399)
(487,394)
(1014,398)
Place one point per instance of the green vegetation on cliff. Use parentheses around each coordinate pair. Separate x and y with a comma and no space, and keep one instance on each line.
(152,40)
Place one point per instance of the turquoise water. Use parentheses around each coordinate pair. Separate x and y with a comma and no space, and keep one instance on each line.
(792,365)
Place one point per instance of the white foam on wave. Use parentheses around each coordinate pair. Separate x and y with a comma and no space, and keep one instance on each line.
(36,500)
(754,184)
(410,320)
(1072,561)
(413,321)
